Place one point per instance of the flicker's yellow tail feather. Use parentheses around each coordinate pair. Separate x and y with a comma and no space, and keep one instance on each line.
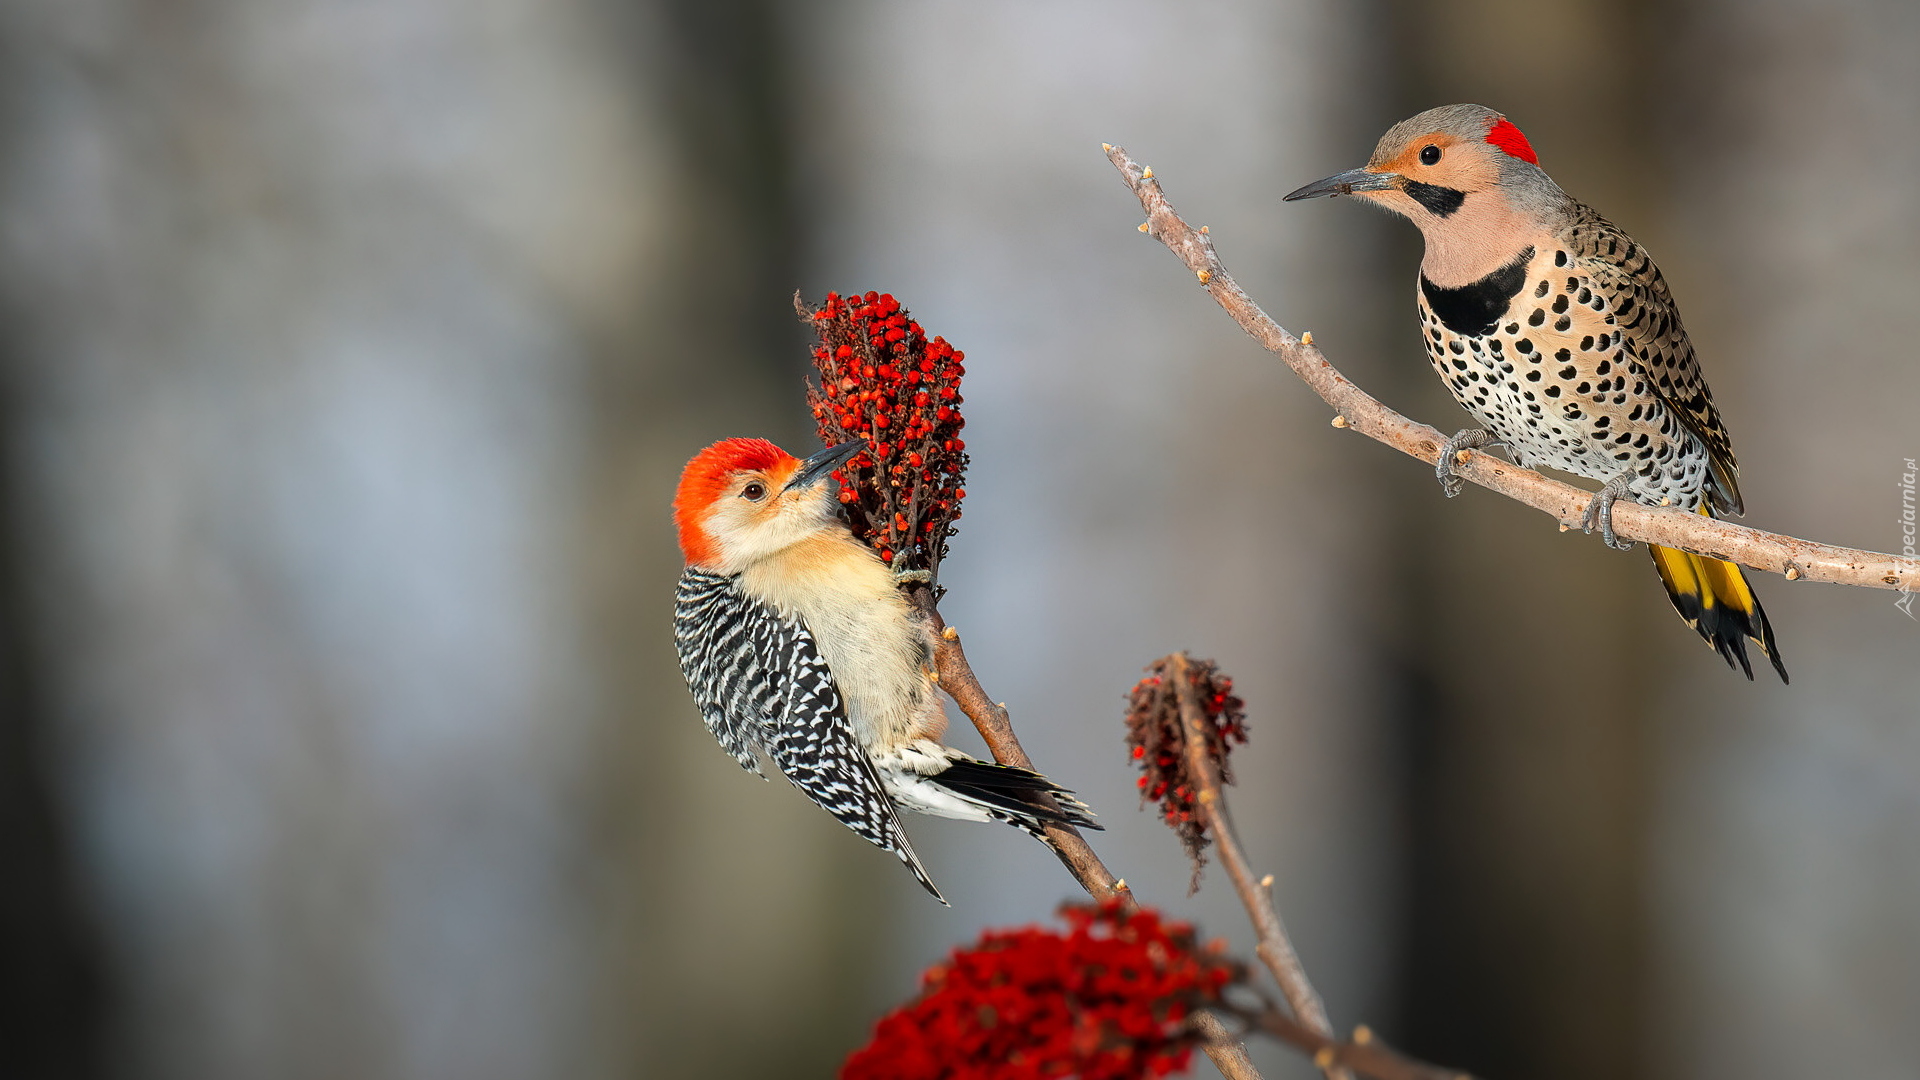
(1713,596)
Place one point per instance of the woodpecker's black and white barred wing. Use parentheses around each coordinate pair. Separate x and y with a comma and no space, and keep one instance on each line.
(713,630)
(765,692)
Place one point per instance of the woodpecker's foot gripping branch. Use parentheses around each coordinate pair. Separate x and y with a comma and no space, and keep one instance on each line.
(904,576)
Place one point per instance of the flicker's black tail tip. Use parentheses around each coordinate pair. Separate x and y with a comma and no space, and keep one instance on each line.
(1713,596)
(1017,796)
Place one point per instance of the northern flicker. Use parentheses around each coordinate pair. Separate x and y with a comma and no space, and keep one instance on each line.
(1558,333)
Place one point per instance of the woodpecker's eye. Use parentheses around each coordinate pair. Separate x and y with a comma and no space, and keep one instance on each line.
(754,491)
(1430,155)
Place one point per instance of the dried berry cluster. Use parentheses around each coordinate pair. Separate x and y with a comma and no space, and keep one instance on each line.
(883,382)
(1107,1000)
(1157,739)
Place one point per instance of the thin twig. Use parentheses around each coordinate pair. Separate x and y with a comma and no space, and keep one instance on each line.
(1228,1052)
(1364,1053)
(1275,948)
(1354,408)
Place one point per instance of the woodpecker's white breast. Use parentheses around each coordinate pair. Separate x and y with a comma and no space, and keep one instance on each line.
(877,647)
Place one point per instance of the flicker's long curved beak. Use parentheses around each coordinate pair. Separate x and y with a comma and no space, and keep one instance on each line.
(1347,183)
(822,463)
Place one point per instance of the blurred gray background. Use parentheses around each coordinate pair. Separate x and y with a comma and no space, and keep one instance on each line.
(351,349)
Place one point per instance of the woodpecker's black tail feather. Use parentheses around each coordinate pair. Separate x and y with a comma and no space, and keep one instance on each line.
(1017,796)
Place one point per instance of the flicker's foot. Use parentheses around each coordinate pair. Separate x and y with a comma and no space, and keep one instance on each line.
(904,576)
(1600,512)
(1466,439)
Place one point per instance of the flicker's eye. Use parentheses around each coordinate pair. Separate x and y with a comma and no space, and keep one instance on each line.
(754,491)
(1430,155)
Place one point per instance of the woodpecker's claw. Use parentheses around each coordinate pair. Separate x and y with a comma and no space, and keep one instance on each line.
(1465,439)
(1600,512)
(904,576)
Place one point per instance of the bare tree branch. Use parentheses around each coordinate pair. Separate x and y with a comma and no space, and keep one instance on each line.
(1275,948)
(1669,527)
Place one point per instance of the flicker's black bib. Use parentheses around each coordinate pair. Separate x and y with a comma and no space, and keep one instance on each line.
(1474,309)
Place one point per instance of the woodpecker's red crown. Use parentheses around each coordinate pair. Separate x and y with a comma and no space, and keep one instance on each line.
(743,500)
(729,469)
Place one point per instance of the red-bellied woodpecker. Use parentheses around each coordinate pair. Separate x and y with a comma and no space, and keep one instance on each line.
(802,652)
(1558,333)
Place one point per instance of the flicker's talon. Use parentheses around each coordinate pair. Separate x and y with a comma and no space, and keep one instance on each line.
(1600,512)
(1465,439)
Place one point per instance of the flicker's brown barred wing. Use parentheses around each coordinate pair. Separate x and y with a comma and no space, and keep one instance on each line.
(1644,311)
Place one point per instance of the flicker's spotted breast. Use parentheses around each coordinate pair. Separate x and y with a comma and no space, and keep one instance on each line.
(1573,356)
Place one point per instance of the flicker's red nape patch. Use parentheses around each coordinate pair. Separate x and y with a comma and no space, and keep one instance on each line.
(1508,138)
(707,478)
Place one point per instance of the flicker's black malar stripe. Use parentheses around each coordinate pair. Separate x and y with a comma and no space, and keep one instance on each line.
(1475,309)
(1439,201)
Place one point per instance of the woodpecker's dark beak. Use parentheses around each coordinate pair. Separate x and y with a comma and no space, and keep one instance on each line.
(1347,183)
(822,463)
